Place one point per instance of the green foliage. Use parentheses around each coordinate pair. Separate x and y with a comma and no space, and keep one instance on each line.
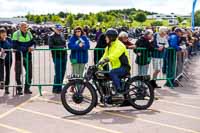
(38,19)
(157,23)
(140,17)
(56,19)
(180,20)
(197,18)
(62,14)
(69,20)
(100,17)
(112,18)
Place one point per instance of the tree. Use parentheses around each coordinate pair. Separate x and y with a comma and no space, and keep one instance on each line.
(45,19)
(140,17)
(197,18)
(112,18)
(79,16)
(61,14)
(70,20)
(56,19)
(100,17)
(180,19)
(28,16)
(38,20)
(157,23)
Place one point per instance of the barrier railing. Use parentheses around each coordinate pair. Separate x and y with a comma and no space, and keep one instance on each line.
(52,66)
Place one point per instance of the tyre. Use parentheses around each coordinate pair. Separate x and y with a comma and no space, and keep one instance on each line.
(141,94)
(78,98)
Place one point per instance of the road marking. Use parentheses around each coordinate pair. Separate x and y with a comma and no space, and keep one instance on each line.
(141,119)
(14,128)
(153,122)
(155,110)
(180,104)
(69,121)
(49,101)
(20,105)
(182,97)
(178,114)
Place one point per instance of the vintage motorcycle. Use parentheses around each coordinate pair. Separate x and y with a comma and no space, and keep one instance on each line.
(80,95)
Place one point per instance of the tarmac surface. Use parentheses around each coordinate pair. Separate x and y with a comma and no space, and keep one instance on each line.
(176,111)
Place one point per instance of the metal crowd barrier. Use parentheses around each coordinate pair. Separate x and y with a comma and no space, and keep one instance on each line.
(183,62)
(44,70)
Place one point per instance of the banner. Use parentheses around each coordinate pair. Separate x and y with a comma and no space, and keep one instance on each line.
(193,14)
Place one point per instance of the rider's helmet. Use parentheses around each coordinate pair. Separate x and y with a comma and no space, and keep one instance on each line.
(112,34)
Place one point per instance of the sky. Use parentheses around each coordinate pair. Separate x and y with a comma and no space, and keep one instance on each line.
(11,8)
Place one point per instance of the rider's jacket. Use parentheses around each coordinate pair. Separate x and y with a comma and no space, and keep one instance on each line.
(117,55)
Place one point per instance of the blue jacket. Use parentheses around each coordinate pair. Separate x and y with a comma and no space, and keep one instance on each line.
(6,45)
(79,54)
(174,41)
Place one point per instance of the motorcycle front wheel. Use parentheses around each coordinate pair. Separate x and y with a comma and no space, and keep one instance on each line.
(78,98)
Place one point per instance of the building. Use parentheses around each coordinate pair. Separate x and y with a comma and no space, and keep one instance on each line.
(172,18)
(168,17)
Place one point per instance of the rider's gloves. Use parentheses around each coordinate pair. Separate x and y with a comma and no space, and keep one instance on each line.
(101,62)
(104,61)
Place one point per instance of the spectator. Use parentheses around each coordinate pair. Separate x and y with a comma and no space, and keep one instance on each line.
(174,42)
(144,46)
(164,69)
(86,30)
(57,41)
(23,42)
(160,44)
(5,59)
(123,37)
(101,43)
(190,42)
(181,54)
(79,45)
(196,42)
(98,34)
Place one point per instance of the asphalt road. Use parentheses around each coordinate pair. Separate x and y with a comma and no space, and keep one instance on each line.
(176,111)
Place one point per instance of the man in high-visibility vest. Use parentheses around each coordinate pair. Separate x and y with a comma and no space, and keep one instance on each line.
(23,42)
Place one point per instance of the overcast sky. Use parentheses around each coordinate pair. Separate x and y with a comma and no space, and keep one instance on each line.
(10,8)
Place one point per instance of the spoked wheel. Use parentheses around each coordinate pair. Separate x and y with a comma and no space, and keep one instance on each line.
(78,97)
(141,94)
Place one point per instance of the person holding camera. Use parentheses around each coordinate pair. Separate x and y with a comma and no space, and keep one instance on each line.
(79,45)
(5,60)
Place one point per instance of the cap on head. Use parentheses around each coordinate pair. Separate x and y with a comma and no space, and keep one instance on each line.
(58,27)
(178,30)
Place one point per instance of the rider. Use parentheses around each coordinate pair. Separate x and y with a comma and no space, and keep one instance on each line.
(117,54)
